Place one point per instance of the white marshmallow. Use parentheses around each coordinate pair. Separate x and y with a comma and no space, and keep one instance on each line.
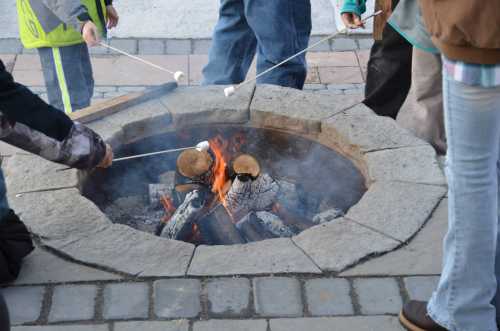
(203,146)
(228,91)
(178,75)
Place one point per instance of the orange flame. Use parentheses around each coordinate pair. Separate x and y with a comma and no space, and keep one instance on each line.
(219,147)
(169,206)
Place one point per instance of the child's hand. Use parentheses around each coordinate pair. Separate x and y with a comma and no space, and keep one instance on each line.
(90,34)
(108,158)
(113,17)
(352,21)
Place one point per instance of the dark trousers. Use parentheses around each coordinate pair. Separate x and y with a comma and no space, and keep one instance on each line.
(4,315)
(274,30)
(388,78)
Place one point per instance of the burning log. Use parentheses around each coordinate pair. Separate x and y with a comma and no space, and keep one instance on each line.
(253,228)
(275,225)
(193,163)
(246,164)
(180,224)
(217,228)
(247,195)
(293,220)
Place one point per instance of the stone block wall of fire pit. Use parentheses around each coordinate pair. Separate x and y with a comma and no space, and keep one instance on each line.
(403,178)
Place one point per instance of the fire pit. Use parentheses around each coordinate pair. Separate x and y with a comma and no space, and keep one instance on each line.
(251,184)
(311,184)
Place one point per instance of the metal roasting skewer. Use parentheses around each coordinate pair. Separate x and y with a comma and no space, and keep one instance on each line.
(228,91)
(177,74)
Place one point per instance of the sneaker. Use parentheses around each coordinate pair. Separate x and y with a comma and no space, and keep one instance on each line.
(414,317)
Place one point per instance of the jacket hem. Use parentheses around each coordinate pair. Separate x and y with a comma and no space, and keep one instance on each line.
(468,54)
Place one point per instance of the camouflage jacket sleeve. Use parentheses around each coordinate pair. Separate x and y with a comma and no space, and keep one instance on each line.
(71,12)
(82,148)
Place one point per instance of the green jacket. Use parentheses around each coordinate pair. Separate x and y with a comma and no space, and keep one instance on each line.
(57,23)
(354,6)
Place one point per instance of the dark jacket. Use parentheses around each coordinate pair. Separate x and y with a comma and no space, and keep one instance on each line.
(464,30)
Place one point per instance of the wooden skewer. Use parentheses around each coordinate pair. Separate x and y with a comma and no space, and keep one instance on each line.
(228,91)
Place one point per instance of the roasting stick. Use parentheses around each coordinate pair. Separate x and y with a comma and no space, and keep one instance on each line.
(228,91)
(177,74)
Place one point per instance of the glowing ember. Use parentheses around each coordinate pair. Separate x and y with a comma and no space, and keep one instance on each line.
(169,206)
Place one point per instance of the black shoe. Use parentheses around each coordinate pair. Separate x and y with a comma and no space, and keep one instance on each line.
(414,317)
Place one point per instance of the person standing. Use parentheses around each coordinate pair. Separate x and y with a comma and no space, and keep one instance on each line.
(61,31)
(274,30)
(467,296)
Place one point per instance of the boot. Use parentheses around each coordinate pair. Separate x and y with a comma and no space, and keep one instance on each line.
(414,317)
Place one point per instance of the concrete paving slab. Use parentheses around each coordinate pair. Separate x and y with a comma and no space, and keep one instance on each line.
(89,327)
(126,301)
(8,60)
(9,150)
(24,303)
(312,75)
(73,303)
(329,59)
(231,325)
(177,298)
(421,287)
(179,325)
(329,296)
(196,64)
(336,245)
(228,297)
(29,77)
(28,62)
(340,75)
(42,267)
(263,257)
(389,207)
(378,296)
(277,297)
(358,323)
(422,256)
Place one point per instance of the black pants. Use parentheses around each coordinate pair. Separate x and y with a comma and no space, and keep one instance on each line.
(388,76)
(4,315)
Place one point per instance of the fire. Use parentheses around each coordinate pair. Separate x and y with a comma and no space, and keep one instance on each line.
(169,206)
(219,147)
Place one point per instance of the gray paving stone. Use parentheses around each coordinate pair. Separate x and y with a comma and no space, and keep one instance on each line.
(323,47)
(127,45)
(178,46)
(10,46)
(329,296)
(187,110)
(99,50)
(126,301)
(343,44)
(25,303)
(370,132)
(335,246)
(277,296)
(29,51)
(263,257)
(412,164)
(25,173)
(132,88)
(177,298)
(201,46)
(73,303)
(314,87)
(358,323)
(42,267)
(151,46)
(9,150)
(104,89)
(420,288)
(365,43)
(397,209)
(91,327)
(179,325)
(228,296)
(301,111)
(378,296)
(231,325)
(422,256)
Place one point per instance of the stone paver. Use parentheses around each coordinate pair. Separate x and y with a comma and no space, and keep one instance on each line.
(420,288)
(422,256)
(378,296)
(346,242)
(229,296)
(329,297)
(332,59)
(24,303)
(365,323)
(151,46)
(179,325)
(126,301)
(231,325)
(127,45)
(178,46)
(177,298)
(91,327)
(196,65)
(340,75)
(343,44)
(277,296)
(201,46)
(263,257)
(73,303)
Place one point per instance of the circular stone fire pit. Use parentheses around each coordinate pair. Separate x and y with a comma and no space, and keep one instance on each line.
(342,150)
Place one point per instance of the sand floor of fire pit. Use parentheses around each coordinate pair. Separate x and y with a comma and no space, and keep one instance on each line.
(405,184)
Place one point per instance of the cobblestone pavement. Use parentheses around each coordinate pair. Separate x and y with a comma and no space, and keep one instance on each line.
(55,294)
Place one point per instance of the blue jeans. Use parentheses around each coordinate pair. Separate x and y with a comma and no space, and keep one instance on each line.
(465,297)
(274,29)
(68,76)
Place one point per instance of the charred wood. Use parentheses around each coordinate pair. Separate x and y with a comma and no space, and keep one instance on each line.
(275,225)
(253,228)
(291,219)
(327,216)
(217,228)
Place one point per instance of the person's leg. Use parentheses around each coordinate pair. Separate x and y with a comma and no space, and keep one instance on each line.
(66,77)
(468,284)
(233,46)
(4,315)
(422,112)
(282,28)
(388,76)
(87,70)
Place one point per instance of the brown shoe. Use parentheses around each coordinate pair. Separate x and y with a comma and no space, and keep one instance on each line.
(414,317)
